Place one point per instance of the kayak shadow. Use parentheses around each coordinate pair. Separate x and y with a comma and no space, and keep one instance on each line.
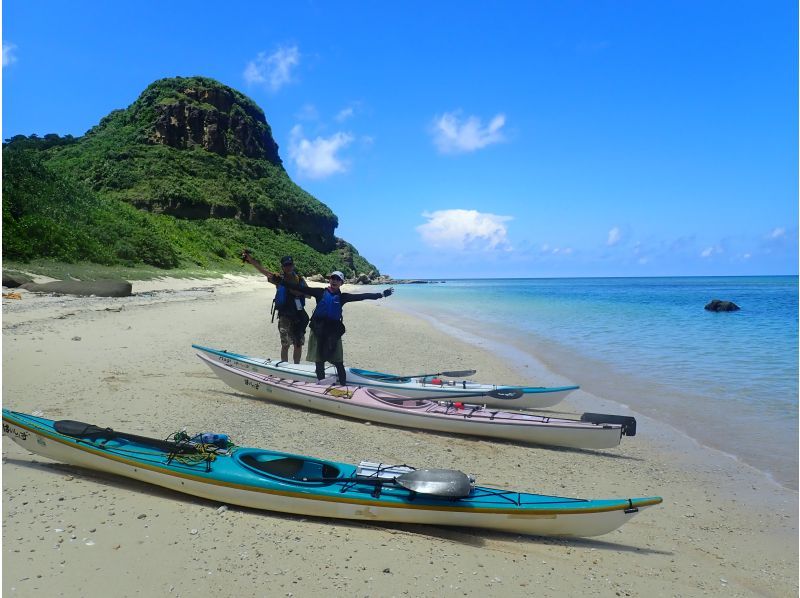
(491,538)
(443,435)
(463,536)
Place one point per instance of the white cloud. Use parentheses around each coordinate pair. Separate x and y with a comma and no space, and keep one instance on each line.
(344,114)
(711,251)
(318,158)
(778,233)
(614,236)
(452,135)
(462,229)
(274,70)
(9,53)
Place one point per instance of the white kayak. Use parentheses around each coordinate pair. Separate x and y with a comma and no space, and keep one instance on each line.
(530,397)
(592,431)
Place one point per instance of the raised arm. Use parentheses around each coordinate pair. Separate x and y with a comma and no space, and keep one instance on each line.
(271,276)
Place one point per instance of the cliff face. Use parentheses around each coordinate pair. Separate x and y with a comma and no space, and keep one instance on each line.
(212,117)
(193,148)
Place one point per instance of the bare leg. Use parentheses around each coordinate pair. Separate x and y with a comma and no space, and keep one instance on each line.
(297,352)
(284,352)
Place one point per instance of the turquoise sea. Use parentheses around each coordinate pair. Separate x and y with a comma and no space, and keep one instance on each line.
(728,380)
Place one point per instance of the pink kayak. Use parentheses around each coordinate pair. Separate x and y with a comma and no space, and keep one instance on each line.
(593,431)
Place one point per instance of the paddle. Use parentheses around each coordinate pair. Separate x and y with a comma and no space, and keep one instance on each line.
(85,431)
(497,393)
(436,482)
(453,374)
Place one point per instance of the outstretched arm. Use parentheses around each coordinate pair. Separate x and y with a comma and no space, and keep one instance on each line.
(348,297)
(303,289)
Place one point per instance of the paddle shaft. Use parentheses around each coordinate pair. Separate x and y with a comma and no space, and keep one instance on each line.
(498,393)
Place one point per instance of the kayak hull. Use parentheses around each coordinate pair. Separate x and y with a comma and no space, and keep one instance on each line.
(388,408)
(228,481)
(533,397)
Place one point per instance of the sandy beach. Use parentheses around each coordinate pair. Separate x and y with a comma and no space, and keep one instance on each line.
(724,529)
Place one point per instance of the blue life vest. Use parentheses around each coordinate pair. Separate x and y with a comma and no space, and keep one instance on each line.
(284,300)
(329,307)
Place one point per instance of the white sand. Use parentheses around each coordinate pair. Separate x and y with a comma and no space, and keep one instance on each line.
(723,529)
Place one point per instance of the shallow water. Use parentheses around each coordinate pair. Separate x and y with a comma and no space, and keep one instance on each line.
(728,380)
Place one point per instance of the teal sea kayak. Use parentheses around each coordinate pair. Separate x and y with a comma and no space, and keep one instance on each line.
(211,467)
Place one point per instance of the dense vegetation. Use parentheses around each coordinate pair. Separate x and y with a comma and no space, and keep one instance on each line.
(46,215)
(117,197)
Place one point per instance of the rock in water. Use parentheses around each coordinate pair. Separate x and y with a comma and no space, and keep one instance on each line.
(718,305)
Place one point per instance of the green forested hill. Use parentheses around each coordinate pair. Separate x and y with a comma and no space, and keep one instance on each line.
(185,176)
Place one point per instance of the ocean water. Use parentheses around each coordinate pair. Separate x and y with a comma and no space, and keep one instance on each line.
(728,380)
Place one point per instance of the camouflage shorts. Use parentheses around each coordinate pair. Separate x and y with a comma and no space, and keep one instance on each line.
(287,336)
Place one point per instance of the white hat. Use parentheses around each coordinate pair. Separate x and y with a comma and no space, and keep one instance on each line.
(337,274)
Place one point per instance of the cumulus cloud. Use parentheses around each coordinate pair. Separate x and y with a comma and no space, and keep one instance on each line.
(318,158)
(452,135)
(464,229)
(777,233)
(9,53)
(273,70)
(614,236)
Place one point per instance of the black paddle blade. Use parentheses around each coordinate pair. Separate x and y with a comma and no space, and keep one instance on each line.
(90,432)
(437,482)
(628,423)
(456,373)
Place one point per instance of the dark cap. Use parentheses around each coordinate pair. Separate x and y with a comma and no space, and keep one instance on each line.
(286,259)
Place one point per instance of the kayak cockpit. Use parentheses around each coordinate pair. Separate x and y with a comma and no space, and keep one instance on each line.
(294,469)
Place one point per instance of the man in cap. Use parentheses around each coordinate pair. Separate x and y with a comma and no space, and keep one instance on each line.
(289,303)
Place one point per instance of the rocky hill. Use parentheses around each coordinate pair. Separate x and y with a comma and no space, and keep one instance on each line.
(195,150)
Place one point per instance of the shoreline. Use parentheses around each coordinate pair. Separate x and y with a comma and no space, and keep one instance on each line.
(599,383)
(133,369)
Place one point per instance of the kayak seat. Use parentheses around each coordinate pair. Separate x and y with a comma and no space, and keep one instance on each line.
(290,468)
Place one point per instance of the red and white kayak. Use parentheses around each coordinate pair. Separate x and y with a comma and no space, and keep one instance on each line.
(381,406)
(531,397)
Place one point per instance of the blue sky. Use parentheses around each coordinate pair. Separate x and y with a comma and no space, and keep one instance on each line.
(474,139)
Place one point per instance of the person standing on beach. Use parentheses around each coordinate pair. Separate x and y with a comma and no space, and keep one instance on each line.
(327,327)
(290,305)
